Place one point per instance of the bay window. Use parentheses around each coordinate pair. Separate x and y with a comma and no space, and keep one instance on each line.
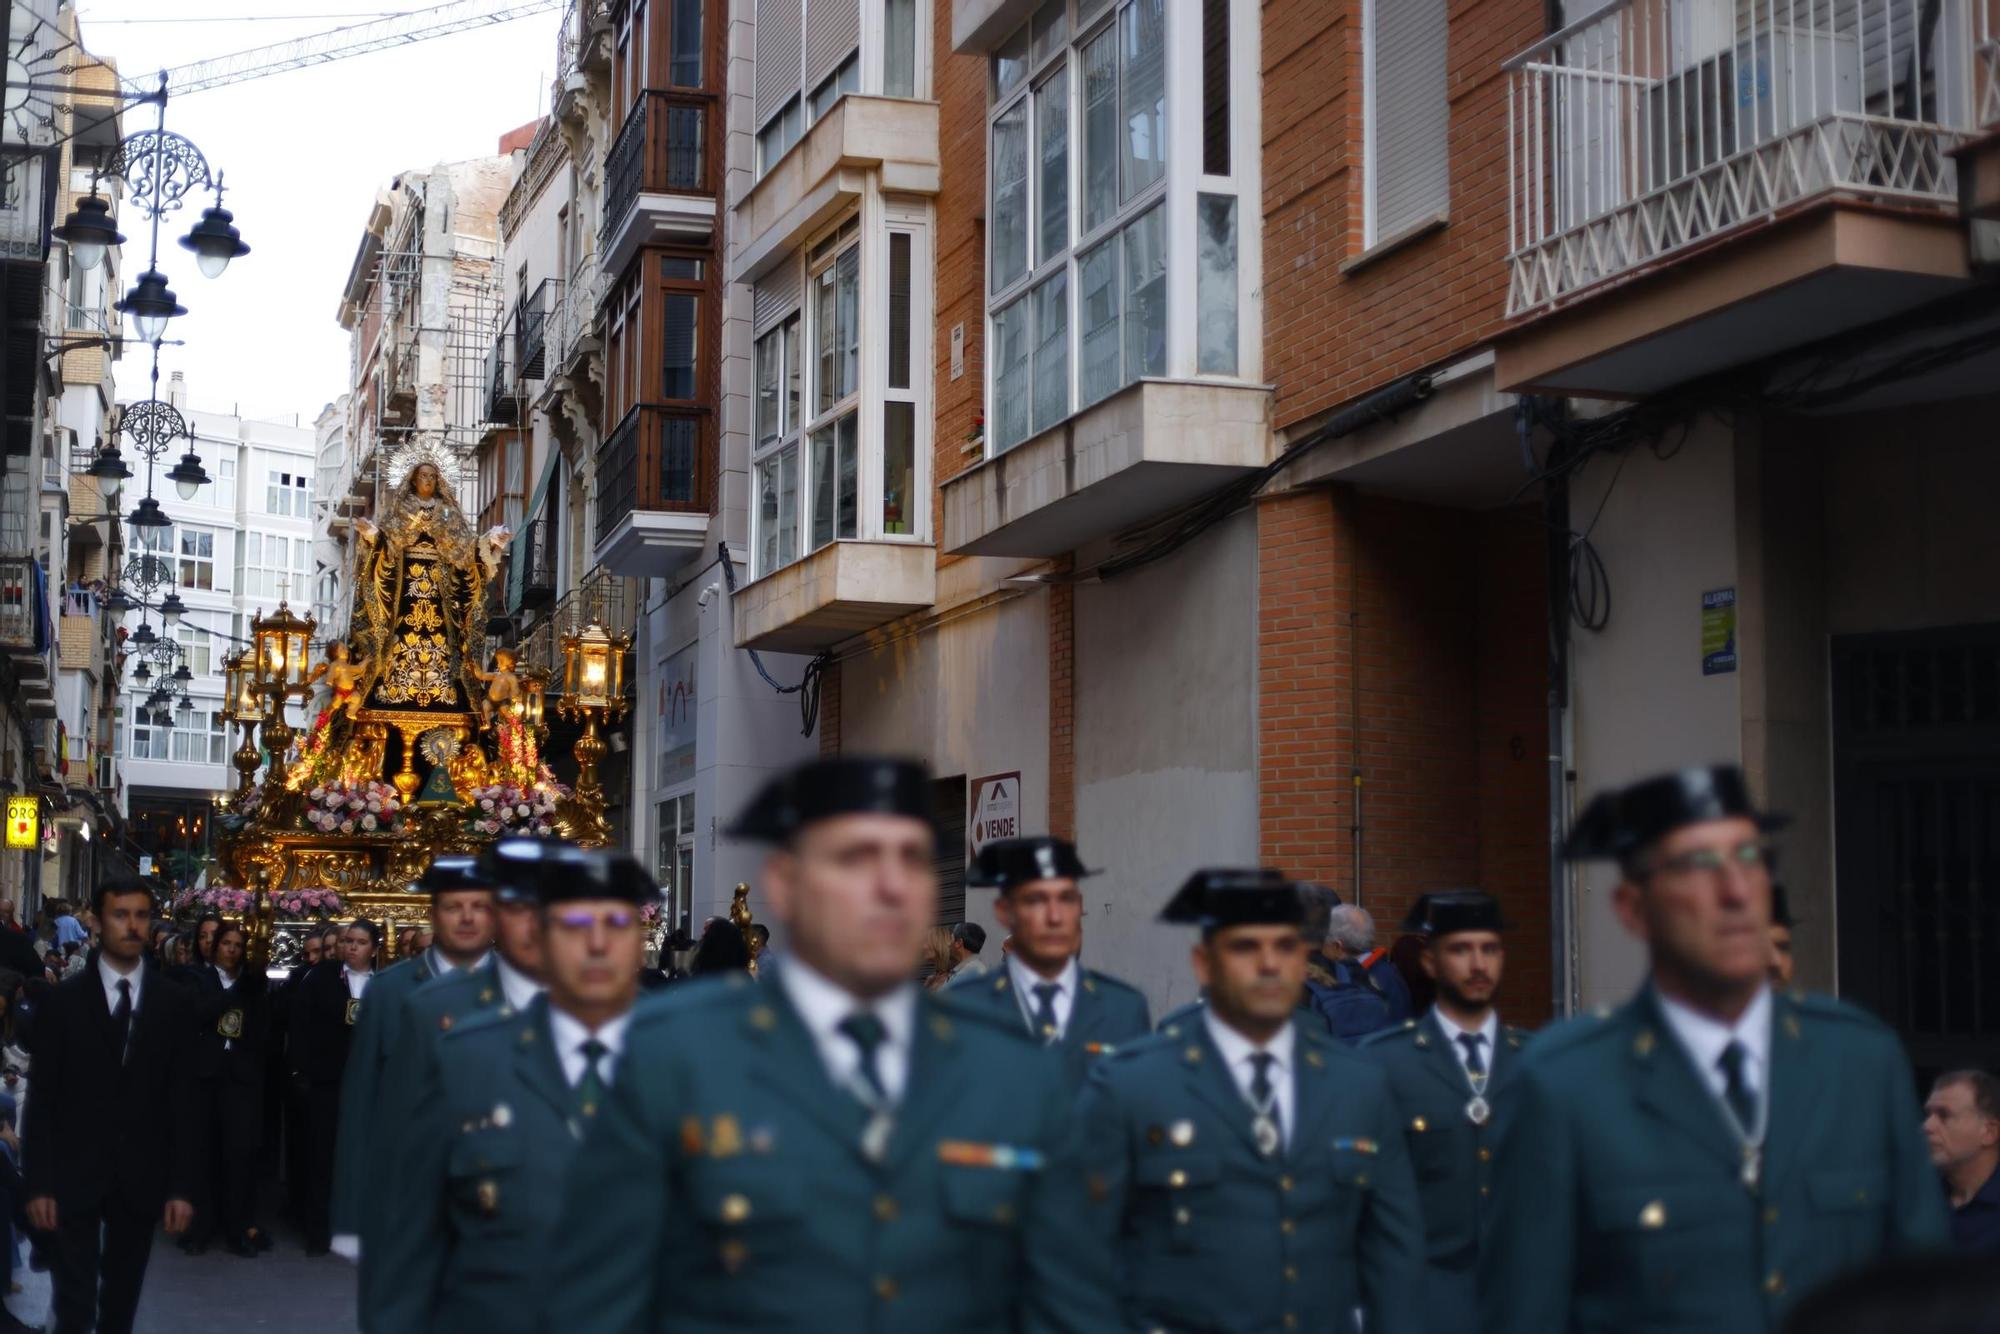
(841,376)
(1086,293)
(812,53)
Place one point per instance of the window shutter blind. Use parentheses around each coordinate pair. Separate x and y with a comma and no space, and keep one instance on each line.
(774,296)
(1411,180)
(833,28)
(777,54)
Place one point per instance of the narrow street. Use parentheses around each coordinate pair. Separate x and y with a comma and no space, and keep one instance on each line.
(279,1291)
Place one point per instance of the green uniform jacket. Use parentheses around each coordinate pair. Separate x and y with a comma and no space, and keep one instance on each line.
(725,1185)
(1452,1157)
(1619,1198)
(478,1176)
(375,1033)
(429,1012)
(1209,1235)
(1106,1015)
(1178,1018)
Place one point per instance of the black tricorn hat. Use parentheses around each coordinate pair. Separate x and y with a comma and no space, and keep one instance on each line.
(517,867)
(1216,898)
(1617,824)
(452,872)
(1007,862)
(597,873)
(1445,911)
(842,785)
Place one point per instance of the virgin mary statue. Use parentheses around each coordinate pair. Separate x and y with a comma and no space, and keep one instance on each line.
(419,610)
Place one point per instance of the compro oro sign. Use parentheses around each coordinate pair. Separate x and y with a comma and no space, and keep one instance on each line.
(996,809)
(23,821)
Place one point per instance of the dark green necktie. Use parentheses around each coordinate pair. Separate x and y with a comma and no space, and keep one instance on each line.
(1045,1010)
(867,1032)
(1736,1092)
(590,1088)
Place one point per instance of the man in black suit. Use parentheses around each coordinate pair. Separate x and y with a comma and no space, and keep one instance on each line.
(324,1013)
(112,1143)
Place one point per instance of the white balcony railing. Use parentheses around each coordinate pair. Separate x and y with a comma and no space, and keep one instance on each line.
(576,313)
(1654,125)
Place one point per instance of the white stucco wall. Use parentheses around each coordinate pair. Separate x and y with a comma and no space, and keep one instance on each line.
(1166,746)
(1667,534)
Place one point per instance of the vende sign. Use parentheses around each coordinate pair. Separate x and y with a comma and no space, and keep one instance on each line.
(996,809)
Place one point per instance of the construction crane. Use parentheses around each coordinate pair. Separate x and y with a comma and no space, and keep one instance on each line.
(356,39)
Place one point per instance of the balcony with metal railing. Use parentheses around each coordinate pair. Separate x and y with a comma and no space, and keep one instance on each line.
(576,315)
(535,549)
(27,632)
(532,318)
(655,489)
(1748,146)
(503,387)
(1979,159)
(661,175)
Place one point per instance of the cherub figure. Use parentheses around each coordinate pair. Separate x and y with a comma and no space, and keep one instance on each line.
(503,687)
(344,675)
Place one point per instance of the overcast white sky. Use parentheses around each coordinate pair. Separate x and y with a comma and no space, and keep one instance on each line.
(303,154)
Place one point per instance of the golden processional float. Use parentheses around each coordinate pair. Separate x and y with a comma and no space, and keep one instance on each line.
(419,750)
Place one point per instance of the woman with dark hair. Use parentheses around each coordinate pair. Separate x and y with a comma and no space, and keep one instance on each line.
(721,950)
(232,1012)
(205,931)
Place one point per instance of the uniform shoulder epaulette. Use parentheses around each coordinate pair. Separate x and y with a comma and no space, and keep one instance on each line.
(980,1019)
(1515,1037)
(479,1021)
(1577,1031)
(1817,1005)
(703,994)
(398,970)
(1142,1048)
(1109,983)
(1382,1037)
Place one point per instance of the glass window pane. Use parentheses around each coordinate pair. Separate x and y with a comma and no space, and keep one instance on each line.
(1010,66)
(847,317)
(899,48)
(1215,87)
(824,476)
(823,342)
(1051,29)
(777,510)
(900,301)
(1052,131)
(1146,295)
(677,369)
(792,374)
(1097,292)
(899,467)
(1010,376)
(788,504)
(1051,302)
(1142,96)
(1100,130)
(684,62)
(769,365)
(850,475)
(1215,284)
(1010,195)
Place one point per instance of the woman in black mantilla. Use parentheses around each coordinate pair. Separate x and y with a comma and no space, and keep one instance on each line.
(419,598)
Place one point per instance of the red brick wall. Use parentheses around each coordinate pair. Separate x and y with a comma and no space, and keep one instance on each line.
(960,87)
(1439,613)
(1329,336)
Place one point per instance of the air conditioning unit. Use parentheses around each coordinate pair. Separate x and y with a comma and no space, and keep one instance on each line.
(1755,91)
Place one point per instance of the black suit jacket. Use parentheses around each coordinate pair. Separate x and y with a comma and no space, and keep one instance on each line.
(98,1127)
(319,1027)
(238,1059)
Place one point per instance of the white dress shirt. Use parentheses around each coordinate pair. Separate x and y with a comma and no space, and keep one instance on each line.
(1026,979)
(1490,1031)
(516,986)
(1236,1053)
(1705,1037)
(822,1006)
(111,977)
(570,1035)
(356,982)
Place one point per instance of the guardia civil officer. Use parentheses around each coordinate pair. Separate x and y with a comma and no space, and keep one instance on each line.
(1246,1171)
(1713,1150)
(830,1147)
(461,915)
(1449,1072)
(1041,987)
(499,1112)
(508,980)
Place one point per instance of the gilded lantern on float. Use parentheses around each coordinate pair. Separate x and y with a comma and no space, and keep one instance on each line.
(244,703)
(282,641)
(593,672)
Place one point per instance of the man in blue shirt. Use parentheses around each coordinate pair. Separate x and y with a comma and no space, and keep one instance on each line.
(1962,1123)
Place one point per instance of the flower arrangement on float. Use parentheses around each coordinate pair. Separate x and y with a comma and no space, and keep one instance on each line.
(366,807)
(308,903)
(509,808)
(225,900)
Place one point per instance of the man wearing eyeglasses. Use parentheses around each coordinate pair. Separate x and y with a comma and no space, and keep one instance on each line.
(1707,1154)
(505,1102)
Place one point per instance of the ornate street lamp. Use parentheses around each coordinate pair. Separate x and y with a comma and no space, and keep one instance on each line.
(281,641)
(593,689)
(89,231)
(215,240)
(110,471)
(245,707)
(172,609)
(151,303)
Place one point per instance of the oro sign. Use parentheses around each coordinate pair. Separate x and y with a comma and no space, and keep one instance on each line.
(23,819)
(996,809)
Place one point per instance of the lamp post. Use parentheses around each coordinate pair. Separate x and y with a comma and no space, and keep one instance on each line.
(280,641)
(593,690)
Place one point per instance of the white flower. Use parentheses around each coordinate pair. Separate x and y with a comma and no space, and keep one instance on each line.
(522,809)
(347,826)
(486,803)
(368,823)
